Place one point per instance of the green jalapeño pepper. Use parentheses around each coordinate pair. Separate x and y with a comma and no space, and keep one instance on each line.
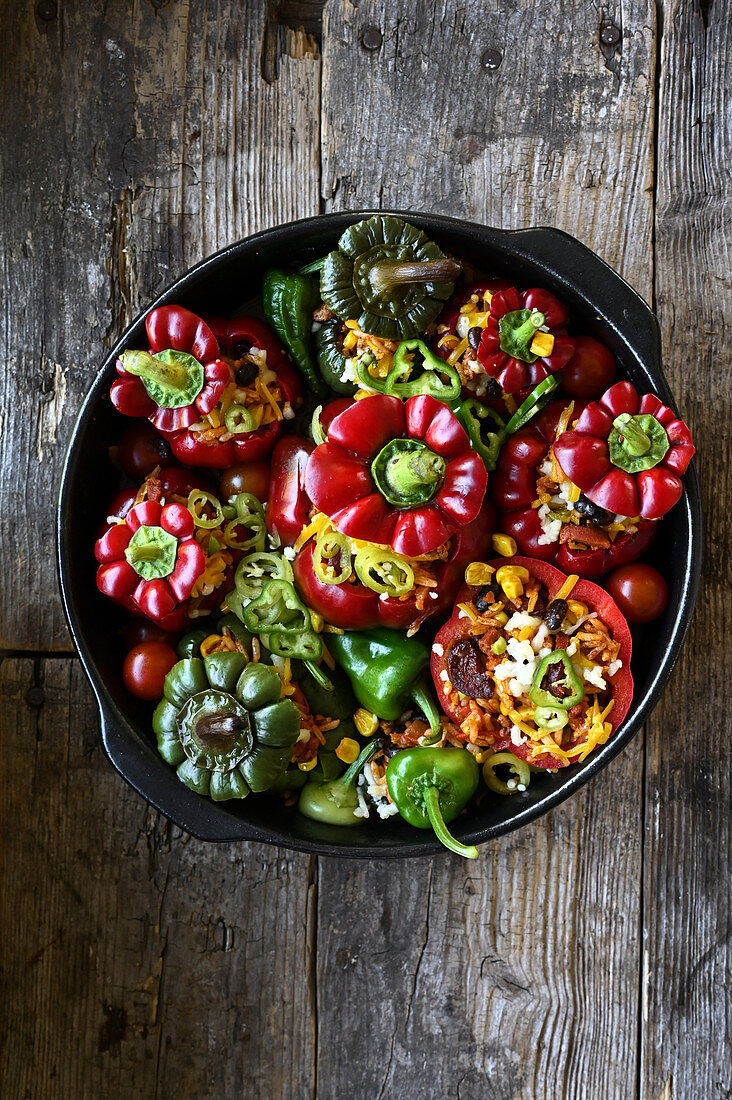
(224,726)
(556,684)
(288,302)
(430,787)
(334,803)
(278,607)
(438,379)
(475,418)
(385,669)
(331,360)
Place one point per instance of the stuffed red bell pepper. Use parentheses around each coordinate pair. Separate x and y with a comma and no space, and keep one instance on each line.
(533,662)
(398,474)
(627,453)
(262,391)
(546,513)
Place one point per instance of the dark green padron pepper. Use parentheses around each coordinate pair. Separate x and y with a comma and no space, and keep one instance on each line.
(224,726)
(288,301)
(430,787)
(331,360)
(387,276)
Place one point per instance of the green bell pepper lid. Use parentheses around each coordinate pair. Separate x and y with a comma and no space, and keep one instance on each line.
(224,726)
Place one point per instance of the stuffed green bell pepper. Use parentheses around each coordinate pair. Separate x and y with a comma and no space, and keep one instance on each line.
(223,724)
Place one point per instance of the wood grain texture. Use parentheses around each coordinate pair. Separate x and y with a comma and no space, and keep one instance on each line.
(152,141)
(687,898)
(498,980)
(136,961)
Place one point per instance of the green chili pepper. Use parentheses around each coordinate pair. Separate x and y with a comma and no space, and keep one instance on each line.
(534,403)
(332,557)
(334,803)
(564,688)
(383,571)
(306,645)
(519,768)
(279,608)
(385,669)
(198,499)
(246,512)
(288,302)
(475,417)
(551,718)
(438,379)
(223,725)
(239,419)
(255,570)
(332,362)
(430,787)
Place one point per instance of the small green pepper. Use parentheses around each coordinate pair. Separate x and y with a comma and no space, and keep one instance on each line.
(223,725)
(430,787)
(190,644)
(335,701)
(385,669)
(331,360)
(334,803)
(288,301)
(564,688)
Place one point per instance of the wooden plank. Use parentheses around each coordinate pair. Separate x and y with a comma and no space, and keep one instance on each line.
(137,962)
(686,1049)
(152,141)
(512,977)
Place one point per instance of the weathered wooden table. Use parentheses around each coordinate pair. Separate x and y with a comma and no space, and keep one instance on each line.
(585,956)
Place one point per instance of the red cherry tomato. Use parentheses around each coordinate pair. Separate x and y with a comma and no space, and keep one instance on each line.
(138,631)
(590,371)
(141,449)
(246,477)
(639,590)
(146,667)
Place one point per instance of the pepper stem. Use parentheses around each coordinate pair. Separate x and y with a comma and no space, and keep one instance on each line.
(407,472)
(318,675)
(432,805)
(144,552)
(423,698)
(141,364)
(386,274)
(635,441)
(340,787)
(526,331)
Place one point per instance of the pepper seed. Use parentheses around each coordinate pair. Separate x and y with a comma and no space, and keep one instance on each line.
(609,34)
(372,38)
(491,59)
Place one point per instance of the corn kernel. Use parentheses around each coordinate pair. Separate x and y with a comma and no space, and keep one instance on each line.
(504,545)
(308,765)
(501,618)
(365,722)
(574,493)
(567,587)
(350,341)
(317,622)
(351,324)
(542,344)
(478,573)
(518,571)
(512,588)
(348,750)
(499,646)
(578,609)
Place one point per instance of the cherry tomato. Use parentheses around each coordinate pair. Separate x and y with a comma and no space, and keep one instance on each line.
(141,449)
(246,477)
(639,590)
(142,630)
(590,371)
(146,667)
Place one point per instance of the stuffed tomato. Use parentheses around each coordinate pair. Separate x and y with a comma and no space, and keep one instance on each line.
(534,662)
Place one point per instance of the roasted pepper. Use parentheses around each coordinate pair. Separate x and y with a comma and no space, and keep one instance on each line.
(223,725)
(178,379)
(386,671)
(398,474)
(430,787)
(627,453)
(288,301)
(237,337)
(590,552)
(388,277)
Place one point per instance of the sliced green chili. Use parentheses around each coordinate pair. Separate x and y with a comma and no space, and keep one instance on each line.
(248,513)
(239,420)
(256,570)
(383,572)
(332,557)
(519,768)
(198,499)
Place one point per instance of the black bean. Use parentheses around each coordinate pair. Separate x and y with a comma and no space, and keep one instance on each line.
(474,336)
(240,349)
(554,615)
(246,373)
(482,600)
(492,389)
(592,513)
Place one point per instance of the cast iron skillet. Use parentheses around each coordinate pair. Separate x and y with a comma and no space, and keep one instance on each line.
(604,305)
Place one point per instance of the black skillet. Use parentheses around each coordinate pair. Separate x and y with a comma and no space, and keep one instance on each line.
(602,303)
